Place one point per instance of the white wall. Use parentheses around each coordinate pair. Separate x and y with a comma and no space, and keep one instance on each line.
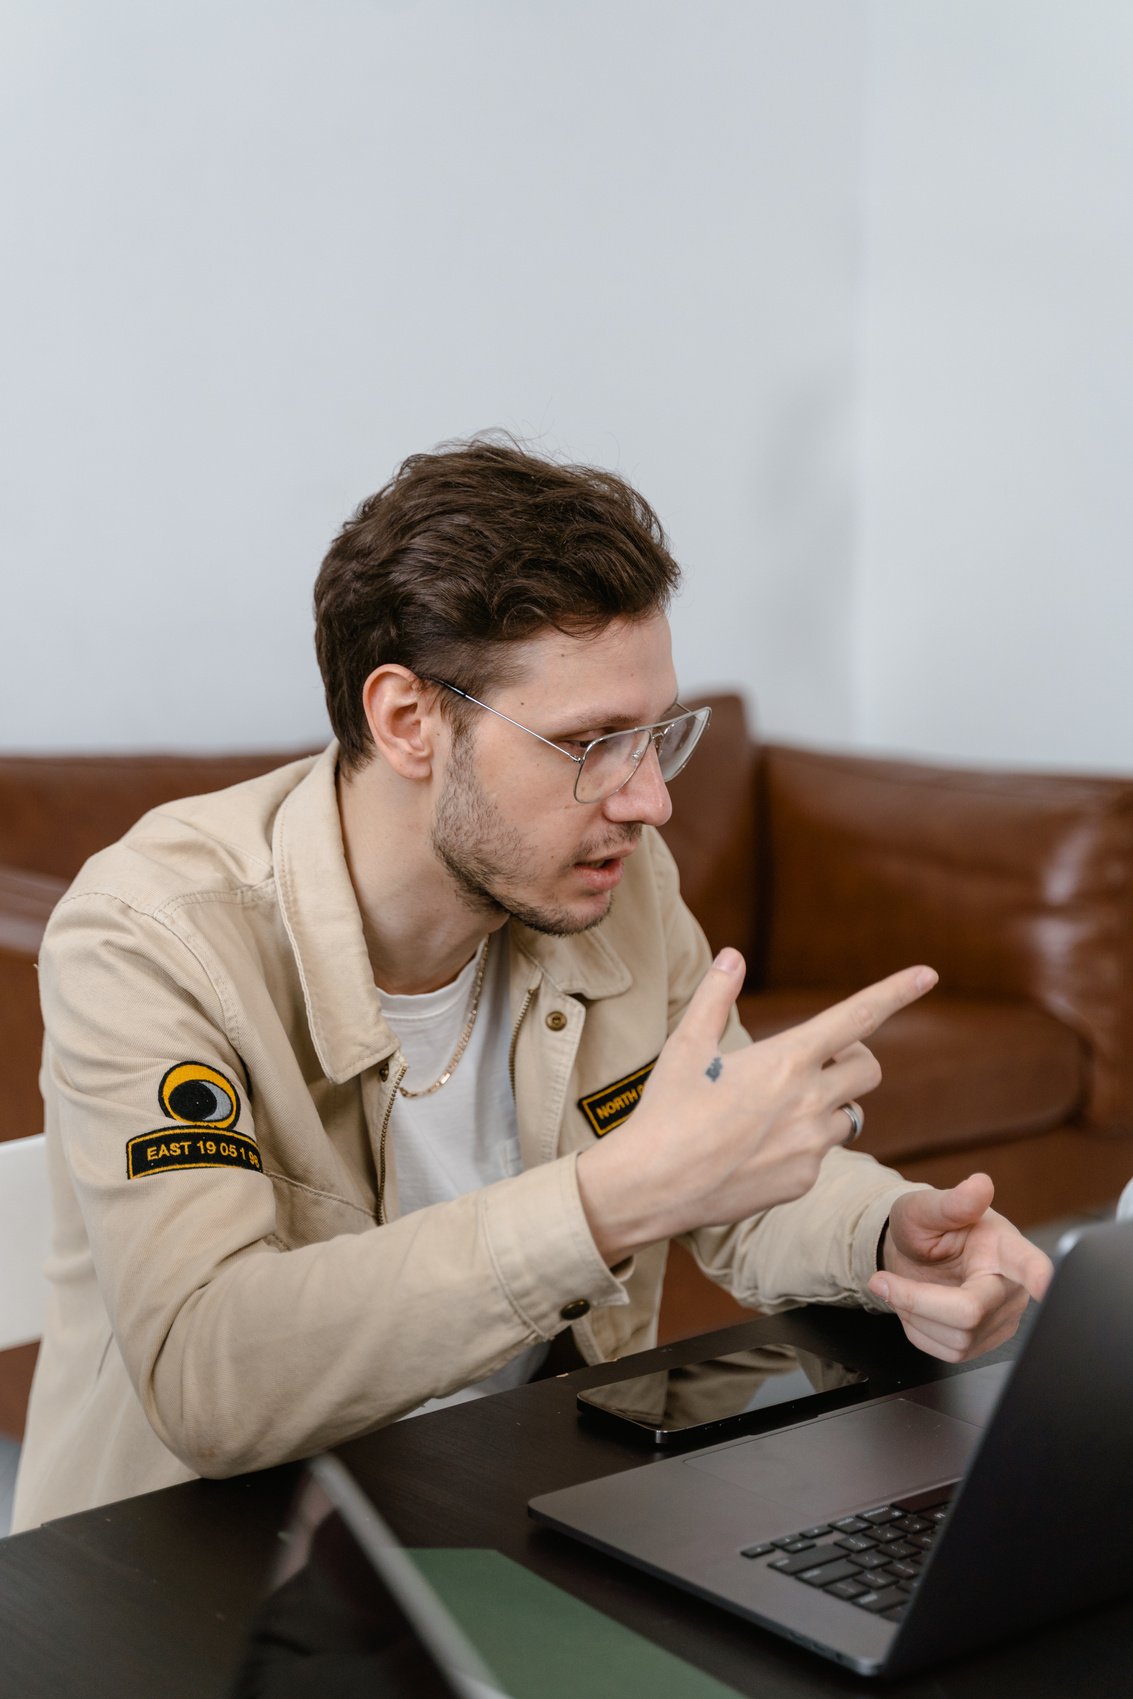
(261,251)
(843,285)
(994,605)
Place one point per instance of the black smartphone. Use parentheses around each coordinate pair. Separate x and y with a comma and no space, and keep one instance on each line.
(701,1402)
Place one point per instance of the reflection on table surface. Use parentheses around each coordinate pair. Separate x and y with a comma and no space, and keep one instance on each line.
(750,1382)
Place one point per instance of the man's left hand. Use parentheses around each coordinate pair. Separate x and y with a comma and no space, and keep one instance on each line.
(957,1274)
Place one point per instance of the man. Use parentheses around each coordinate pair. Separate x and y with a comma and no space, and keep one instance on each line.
(318,1047)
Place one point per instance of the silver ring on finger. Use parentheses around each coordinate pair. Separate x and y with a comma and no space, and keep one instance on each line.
(857,1121)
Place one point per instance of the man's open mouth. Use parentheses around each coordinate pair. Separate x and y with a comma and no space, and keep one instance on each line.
(618,853)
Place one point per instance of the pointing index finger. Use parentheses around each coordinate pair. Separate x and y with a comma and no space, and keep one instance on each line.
(859,1016)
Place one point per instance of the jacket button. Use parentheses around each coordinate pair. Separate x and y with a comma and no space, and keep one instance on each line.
(556,1020)
(577,1308)
(383,1071)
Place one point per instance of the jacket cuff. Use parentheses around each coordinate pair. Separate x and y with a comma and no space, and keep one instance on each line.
(543,1251)
(866,1242)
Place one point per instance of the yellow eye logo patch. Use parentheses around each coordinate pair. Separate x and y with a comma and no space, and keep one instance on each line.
(203,1104)
(198,1095)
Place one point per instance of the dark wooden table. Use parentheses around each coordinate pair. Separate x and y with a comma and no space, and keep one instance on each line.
(150,1596)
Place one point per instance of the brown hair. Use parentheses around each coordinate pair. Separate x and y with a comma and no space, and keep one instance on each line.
(467,550)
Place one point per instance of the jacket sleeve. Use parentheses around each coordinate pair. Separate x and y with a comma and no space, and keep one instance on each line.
(822,1247)
(243,1352)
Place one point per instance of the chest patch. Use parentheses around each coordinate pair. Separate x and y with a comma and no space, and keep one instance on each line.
(615,1103)
(203,1107)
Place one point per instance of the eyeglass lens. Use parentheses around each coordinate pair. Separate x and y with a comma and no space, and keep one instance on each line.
(611,762)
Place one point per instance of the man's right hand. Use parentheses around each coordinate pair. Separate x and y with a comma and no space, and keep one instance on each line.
(716,1139)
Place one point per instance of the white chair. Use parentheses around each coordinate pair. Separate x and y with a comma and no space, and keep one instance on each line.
(1125,1204)
(25,1228)
(24,1237)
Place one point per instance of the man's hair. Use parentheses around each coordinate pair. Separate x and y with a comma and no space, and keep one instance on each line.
(467,551)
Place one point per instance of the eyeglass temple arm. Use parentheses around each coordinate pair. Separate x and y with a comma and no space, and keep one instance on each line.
(487,706)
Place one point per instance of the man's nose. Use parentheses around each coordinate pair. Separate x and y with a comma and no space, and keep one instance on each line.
(645,797)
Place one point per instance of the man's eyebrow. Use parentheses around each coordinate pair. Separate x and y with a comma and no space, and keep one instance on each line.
(610,722)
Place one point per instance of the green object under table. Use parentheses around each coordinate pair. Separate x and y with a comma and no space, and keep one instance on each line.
(542,1643)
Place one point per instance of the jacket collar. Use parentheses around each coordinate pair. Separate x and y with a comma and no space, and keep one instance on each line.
(583,965)
(324,925)
(320,912)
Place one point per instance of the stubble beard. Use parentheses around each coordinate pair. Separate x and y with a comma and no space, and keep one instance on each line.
(489,860)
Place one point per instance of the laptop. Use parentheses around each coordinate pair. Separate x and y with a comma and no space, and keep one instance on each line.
(346,1613)
(921,1525)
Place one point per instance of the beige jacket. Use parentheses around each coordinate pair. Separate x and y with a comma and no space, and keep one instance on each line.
(231,1284)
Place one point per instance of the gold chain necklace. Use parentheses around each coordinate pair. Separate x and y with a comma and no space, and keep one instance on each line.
(462,1042)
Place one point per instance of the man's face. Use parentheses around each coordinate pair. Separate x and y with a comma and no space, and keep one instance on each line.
(507,827)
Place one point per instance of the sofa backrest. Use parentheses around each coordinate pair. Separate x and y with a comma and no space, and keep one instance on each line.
(57,810)
(713,831)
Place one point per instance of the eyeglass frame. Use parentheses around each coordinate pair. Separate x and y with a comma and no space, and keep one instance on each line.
(703,715)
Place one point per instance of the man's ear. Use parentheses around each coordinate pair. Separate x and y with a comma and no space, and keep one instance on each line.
(403,718)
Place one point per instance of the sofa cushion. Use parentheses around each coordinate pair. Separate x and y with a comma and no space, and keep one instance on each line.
(1013,885)
(956,1071)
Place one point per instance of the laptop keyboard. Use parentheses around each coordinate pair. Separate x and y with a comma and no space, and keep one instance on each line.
(872,1560)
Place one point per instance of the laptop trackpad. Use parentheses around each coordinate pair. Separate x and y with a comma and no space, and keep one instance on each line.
(855,1458)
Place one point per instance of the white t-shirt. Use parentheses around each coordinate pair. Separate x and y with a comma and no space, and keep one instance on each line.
(465,1135)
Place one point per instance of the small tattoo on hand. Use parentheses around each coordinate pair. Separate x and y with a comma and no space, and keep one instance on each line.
(715,1068)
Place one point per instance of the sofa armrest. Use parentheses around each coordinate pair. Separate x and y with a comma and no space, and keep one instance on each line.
(26,902)
(1012,885)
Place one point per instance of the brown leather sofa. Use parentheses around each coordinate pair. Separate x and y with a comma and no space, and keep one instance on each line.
(828,871)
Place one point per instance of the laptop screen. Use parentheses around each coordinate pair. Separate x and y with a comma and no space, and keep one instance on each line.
(346,1613)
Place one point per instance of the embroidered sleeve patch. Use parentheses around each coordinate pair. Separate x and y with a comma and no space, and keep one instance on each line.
(615,1103)
(204,1106)
(195,1147)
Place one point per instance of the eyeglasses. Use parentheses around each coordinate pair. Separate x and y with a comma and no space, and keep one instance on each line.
(607,764)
